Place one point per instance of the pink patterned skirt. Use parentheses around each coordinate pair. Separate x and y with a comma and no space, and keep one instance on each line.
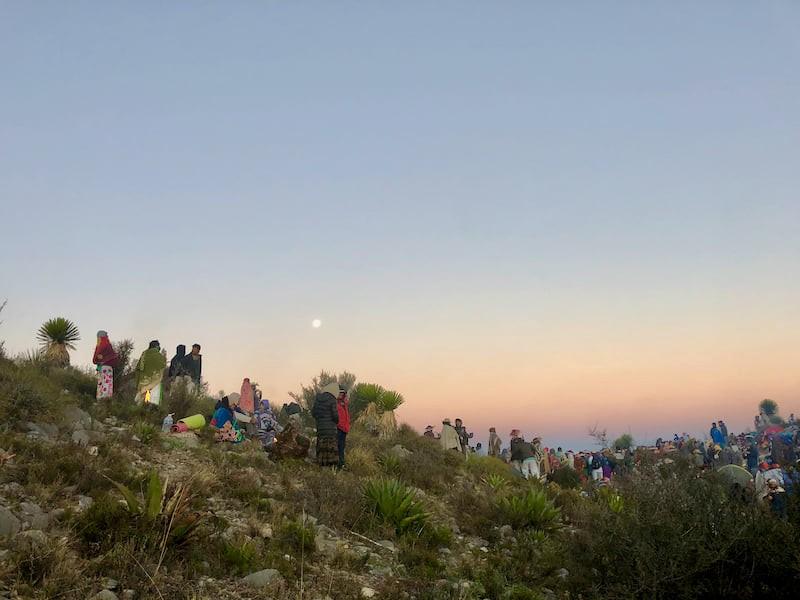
(105,382)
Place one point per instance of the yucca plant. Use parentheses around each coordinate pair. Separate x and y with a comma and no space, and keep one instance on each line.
(165,511)
(58,337)
(396,505)
(376,408)
(389,400)
(531,510)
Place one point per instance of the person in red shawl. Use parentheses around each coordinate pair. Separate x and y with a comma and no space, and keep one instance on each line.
(106,359)
(343,426)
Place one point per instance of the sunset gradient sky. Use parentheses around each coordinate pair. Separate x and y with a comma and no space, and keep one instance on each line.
(524,214)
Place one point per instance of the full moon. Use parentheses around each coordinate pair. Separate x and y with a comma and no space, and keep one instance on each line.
(316,323)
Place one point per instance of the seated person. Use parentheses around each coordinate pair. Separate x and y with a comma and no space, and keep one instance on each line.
(227,428)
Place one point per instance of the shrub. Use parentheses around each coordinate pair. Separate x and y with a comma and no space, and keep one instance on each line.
(395,504)
(566,478)
(334,498)
(240,559)
(770,407)
(685,537)
(623,442)
(429,467)
(531,510)
(184,399)
(361,462)
(146,432)
(481,466)
(297,536)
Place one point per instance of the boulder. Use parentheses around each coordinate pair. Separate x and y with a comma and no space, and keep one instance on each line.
(263,578)
(368,592)
(30,540)
(44,431)
(84,503)
(75,418)
(104,595)
(80,437)
(9,524)
(399,451)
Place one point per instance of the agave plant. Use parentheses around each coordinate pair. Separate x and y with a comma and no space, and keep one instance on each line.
(165,510)
(58,337)
(495,481)
(396,504)
(532,510)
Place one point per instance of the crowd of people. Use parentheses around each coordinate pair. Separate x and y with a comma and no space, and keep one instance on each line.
(768,454)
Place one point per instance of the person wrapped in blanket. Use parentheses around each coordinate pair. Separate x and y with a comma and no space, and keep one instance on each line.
(223,420)
(267,426)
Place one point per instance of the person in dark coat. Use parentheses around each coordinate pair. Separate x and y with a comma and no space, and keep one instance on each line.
(193,364)
(326,414)
(177,366)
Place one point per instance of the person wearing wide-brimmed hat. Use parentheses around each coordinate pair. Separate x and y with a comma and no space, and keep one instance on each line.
(429,433)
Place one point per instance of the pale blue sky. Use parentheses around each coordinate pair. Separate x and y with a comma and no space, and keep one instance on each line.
(418,175)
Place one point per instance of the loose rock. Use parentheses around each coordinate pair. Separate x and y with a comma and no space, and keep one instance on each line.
(262,578)
(104,595)
(9,524)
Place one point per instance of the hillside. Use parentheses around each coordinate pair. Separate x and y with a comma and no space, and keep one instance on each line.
(79,517)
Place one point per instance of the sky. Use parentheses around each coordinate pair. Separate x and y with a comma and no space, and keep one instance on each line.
(538,215)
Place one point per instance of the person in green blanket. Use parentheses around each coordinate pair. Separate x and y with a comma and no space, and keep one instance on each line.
(150,374)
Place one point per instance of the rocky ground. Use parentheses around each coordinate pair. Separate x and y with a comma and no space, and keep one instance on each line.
(38,518)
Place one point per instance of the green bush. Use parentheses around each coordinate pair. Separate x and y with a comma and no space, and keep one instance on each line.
(566,478)
(684,537)
(396,505)
(297,537)
(531,510)
(240,559)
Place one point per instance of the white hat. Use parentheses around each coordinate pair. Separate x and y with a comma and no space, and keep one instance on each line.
(334,389)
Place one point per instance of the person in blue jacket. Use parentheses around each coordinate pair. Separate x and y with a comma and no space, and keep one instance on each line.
(716,435)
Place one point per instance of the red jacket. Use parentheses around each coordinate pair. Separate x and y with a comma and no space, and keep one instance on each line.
(344,414)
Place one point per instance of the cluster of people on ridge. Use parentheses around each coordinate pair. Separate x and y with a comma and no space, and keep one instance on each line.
(530,459)
(235,416)
(769,454)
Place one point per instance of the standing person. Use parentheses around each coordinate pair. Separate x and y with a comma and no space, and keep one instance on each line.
(194,364)
(449,437)
(326,415)
(343,426)
(463,436)
(429,432)
(752,456)
(246,397)
(495,443)
(177,366)
(723,429)
(106,359)
(150,375)
(716,434)
(519,452)
(530,463)
(596,465)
